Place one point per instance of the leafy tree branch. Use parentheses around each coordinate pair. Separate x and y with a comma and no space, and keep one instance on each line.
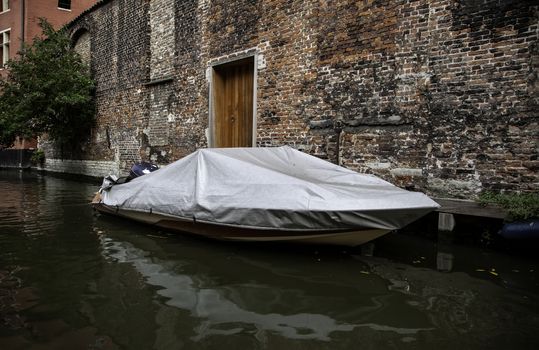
(48,90)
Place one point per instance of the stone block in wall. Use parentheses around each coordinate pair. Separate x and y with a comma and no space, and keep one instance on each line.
(454,188)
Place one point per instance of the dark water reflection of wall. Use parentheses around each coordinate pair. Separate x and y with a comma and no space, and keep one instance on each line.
(100,282)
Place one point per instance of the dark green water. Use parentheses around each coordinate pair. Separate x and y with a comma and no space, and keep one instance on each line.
(72,280)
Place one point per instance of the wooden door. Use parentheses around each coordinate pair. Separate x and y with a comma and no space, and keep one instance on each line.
(233,104)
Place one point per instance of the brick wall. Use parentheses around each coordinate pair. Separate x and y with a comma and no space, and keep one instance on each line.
(439,95)
(117,34)
(83,46)
(162,24)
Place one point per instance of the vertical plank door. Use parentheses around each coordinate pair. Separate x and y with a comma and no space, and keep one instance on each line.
(233,104)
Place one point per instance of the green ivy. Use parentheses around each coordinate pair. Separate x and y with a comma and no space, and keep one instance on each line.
(519,206)
(48,90)
(38,157)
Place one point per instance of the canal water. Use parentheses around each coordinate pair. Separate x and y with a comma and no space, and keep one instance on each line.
(71,279)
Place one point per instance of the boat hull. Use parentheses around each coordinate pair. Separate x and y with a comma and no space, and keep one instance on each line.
(521,230)
(348,237)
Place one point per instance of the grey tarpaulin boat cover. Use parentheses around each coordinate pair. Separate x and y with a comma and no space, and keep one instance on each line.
(274,188)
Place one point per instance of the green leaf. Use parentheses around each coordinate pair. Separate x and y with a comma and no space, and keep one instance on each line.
(48,90)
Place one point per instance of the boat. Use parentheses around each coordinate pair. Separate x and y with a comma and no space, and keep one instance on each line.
(521,230)
(274,194)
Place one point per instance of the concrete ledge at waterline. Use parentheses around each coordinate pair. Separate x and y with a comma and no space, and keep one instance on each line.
(450,207)
(92,168)
(470,208)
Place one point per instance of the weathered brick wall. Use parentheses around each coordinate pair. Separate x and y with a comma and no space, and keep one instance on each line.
(429,92)
(481,99)
(440,95)
(119,42)
(83,46)
(162,25)
(188,129)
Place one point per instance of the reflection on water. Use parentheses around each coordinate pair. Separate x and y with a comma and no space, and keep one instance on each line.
(98,282)
(233,309)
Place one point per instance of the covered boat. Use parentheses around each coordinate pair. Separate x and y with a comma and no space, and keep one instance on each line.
(265,194)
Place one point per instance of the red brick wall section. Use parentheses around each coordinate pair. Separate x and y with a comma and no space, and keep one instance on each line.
(49,10)
(11,20)
(33,11)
